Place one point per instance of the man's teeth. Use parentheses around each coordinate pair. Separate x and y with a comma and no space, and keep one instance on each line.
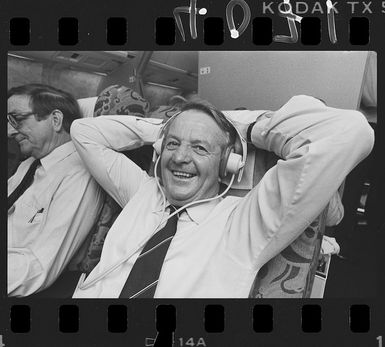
(182,174)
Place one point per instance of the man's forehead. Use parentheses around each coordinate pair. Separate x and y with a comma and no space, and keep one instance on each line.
(19,102)
(194,120)
(198,125)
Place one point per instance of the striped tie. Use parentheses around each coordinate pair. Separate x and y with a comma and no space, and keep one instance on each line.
(144,275)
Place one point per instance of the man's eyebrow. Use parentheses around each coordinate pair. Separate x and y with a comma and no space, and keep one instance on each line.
(194,141)
(17,111)
(174,136)
(199,141)
(14,114)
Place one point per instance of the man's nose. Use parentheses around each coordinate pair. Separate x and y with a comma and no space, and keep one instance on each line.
(182,154)
(11,131)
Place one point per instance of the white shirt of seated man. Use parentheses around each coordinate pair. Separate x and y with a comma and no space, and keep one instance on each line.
(49,221)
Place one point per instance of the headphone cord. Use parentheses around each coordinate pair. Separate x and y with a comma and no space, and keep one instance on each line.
(113,267)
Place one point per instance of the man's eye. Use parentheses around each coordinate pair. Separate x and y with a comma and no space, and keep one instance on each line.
(200,149)
(19,120)
(171,144)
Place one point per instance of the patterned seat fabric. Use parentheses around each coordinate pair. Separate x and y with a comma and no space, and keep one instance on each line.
(164,112)
(120,100)
(289,275)
(109,213)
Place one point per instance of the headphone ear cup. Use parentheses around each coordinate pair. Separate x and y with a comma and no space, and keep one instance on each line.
(234,163)
(231,163)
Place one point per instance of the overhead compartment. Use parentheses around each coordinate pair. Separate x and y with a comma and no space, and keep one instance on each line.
(99,62)
(177,69)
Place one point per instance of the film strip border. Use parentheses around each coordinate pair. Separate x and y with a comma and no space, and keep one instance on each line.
(192,323)
(262,318)
(165,31)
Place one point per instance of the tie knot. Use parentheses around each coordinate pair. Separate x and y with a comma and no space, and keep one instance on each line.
(35,163)
(174,208)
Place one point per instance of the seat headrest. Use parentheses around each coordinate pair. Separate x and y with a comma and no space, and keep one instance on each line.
(115,100)
(87,106)
(121,100)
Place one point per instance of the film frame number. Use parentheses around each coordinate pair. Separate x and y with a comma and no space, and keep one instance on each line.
(1,341)
(190,342)
(379,339)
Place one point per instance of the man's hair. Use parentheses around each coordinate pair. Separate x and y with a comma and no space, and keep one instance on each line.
(215,114)
(44,99)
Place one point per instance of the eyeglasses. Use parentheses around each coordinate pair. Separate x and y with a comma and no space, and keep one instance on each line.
(15,119)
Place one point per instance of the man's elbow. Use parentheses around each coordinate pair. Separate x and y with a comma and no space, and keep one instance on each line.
(351,134)
(82,133)
(362,133)
(77,128)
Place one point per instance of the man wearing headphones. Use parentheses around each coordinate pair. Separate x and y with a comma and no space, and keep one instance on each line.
(177,236)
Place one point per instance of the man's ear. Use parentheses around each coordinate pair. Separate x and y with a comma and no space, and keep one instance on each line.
(57,120)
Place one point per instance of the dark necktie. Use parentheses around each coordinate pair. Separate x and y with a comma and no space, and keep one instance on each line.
(144,275)
(24,184)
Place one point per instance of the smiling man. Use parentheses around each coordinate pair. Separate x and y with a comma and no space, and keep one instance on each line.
(52,199)
(192,150)
(215,245)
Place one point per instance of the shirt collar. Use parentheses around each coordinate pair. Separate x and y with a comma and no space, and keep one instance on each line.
(198,213)
(57,155)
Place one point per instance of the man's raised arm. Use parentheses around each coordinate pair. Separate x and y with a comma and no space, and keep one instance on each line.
(319,146)
(99,141)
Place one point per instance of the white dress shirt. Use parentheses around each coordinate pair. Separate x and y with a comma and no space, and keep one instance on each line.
(50,220)
(220,245)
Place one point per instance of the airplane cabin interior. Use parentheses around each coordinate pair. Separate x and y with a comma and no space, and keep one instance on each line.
(342,259)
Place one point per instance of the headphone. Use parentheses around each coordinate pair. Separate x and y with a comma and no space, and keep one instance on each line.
(231,162)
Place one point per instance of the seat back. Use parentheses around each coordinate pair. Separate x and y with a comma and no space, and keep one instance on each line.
(291,273)
(89,255)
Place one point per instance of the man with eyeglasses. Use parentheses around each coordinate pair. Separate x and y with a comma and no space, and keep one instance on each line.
(53,201)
